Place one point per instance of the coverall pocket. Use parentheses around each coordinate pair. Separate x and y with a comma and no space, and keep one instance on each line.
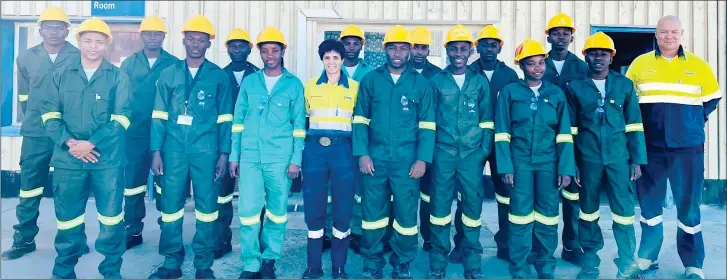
(614,112)
(101,110)
(347,102)
(280,109)
(549,112)
(409,106)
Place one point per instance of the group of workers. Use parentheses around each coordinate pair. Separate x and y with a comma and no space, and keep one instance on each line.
(387,150)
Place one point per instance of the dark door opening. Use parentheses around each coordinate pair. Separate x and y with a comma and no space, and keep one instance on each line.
(630,45)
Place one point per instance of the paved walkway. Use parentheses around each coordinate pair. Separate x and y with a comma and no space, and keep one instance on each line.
(143,260)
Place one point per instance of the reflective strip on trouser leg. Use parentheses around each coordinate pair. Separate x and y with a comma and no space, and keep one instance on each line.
(224,199)
(205,192)
(172,217)
(589,217)
(340,234)
(111,221)
(315,234)
(35,156)
(276,188)
(405,230)
(108,192)
(366,225)
(70,194)
(66,225)
(31,193)
(546,220)
(623,220)
(135,191)
(176,171)
(502,199)
(653,221)
(206,217)
(690,230)
(546,216)
(404,239)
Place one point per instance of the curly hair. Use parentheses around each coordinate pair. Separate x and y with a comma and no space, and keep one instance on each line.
(331,45)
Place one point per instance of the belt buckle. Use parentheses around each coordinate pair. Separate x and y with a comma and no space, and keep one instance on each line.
(324,141)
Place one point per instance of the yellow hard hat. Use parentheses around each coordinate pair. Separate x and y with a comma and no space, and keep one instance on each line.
(560,20)
(199,23)
(489,32)
(353,30)
(600,41)
(421,36)
(238,34)
(153,23)
(529,48)
(271,34)
(397,34)
(458,33)
(54,13)
(94,24)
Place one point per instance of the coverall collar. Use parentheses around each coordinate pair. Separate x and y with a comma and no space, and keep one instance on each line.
(105,66)
(680,53)
(163,55)
(406,73)
(570,58)
(343,81)
(65,52)
(610,78)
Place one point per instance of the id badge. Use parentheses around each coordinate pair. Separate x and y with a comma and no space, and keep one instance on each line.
(184,120)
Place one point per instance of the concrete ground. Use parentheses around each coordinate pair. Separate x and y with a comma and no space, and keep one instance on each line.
(141,261)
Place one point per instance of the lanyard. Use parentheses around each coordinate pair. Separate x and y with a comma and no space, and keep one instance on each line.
(187,85)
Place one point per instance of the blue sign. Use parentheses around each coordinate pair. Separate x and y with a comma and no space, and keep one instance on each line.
(117,8)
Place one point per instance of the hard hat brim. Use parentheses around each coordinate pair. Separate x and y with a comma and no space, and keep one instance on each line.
(228,42)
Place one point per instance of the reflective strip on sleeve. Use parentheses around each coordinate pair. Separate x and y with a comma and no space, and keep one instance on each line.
(224,118)
(299,133)
(622,220)
(122,120)
(502,137)
(549,221)
(360,120)
(275,218)
(111,221)
(592,217)
(569,195)
(520,220)
(651,222)
(443,221)
(340,234)
(50,115)
(564,138)
(428,125)
(634,127)
(691,230)
(161,115)
(135,191)
(66,225)
(251,220)
(487,125)
(502,199)
(405,231)
(712,96)
(473,223)
(31,193)
(375,225)
(315,234)
(170,218)
(224,199)
(23,97)
(574,130)
(237,128)
(424,197)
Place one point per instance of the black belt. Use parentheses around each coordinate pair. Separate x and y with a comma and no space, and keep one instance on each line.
(327,140)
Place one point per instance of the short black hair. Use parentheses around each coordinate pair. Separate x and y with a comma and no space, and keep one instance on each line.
(331,45)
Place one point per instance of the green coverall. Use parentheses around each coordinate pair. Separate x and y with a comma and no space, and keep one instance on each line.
(394,125)
(463,140)
(143,79)
(268,135)
(191,127)
(97,111)
(573,69)
(34,65)
(533,141)
(607,142)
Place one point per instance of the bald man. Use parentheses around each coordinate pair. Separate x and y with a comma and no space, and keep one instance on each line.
(677,91)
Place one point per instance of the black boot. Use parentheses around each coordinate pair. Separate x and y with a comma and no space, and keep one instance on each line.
(401,271)
(588,273)
(456,255)
(313,273)
(133,240)
(339,273)
(572,255)
(267,271)
(355,243)
(18,250)
(339,251)
(369,273)
(315,254)
(222,249)
(473,274)
(249,275)
(204,274)
(326,243)
(165,273)
(435,274)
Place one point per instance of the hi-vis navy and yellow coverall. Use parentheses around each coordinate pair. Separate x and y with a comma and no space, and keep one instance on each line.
(464,136)
(95,110)
(143,79)
(573,69)
(268,135)
(34,69)
(609,137)
(394,125)
(533,141)
(191,126)
(676,98)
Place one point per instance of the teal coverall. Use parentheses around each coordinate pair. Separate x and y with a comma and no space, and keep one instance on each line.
(464,134)
(394,125)
(609,137)
(533,141)
(34,65)
(268,135)
(97,111)
(191,127)
(143,79)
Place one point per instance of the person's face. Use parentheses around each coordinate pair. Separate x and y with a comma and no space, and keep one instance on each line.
(598,60)
(397,54)
(533,67)
(669,35)
(560,38)
(458,53)
(53,32)
(238,50)
(419,53)
(489,49)
(353,46)
(271,54)
(92,45)
(153,40)
(332,62)
(196,44)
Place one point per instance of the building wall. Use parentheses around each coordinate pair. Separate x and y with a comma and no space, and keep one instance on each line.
(703,21)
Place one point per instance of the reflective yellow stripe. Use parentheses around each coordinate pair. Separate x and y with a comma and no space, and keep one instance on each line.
(634,127)
(653,221)
(23,97)
(672,87)
(502,199)
(574,130)
(70,224)
(50,115)
(405,231)
(236,128)
(224,199)
(712,96)
(488,125)
(162,115)
(520,220)
(627,221)
(440,221)
(589,217)
(224,118)
(564,138)
(357,198)
(549,221)
(31,193)
(467,221)
(375,225)
(121,119)
(248,221)
(135,191)
(299,133)
(424,197)
(204,217)
(111,221)
(660,98)
(169,218)
(428,125)
(361,120)
(276,219)
(502,137)
(570,196)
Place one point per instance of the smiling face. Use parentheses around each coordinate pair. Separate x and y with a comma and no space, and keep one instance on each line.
(489,49)
(238,50)
(152,39)
(560,38)
(397,54)
(332,62)
(533,67)
(458,53)
(53,32)
(598,60)
(92,45)
(669,34)
(271,54)
(353,46)
(196,44)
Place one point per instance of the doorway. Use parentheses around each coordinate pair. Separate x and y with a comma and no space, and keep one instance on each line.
(630,42)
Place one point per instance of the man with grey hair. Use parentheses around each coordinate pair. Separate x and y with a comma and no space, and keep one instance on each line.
(677,91)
